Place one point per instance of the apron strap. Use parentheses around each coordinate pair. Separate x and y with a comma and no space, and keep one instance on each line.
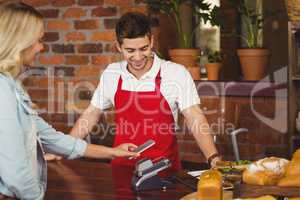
(120,83)
(157,81)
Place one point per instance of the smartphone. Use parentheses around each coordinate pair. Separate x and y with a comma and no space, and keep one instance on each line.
(143,147)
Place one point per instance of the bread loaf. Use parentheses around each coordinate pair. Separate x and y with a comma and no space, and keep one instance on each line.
(267,171)
(292,174)
(210,186)
(296,155)
(290,181)
(261,178)
(293,168)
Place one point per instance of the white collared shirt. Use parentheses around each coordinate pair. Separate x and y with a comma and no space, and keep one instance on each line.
(177,85)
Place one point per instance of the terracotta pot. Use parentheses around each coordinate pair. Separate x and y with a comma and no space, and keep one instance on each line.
(186,57)
(213,70)
(254,63)
(195,72)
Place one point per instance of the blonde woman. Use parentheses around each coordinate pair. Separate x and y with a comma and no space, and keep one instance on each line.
(23,134)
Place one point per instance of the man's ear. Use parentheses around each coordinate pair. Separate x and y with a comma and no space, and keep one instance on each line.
(151,41)
(118,46)
(114,47)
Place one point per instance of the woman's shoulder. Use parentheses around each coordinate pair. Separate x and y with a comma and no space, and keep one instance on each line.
(7,88)
(8,100)
(6,83)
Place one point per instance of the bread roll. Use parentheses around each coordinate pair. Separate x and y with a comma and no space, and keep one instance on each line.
(267,171)
(210,186)
(261,177)
(290,181)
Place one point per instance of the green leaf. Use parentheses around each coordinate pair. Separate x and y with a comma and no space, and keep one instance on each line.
(201,11)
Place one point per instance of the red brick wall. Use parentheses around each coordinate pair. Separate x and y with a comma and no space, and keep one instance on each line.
(79,36)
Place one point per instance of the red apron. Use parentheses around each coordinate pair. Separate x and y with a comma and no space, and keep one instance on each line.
(141,116)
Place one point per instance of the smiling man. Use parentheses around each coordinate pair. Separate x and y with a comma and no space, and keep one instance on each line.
(146,92)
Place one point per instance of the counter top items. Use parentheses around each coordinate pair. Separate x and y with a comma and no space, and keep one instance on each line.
(264,179)
(83,179)
(146,177)
(93,180)
(210,185)
(228,166)
(143,147)
(271,176)
(267,171)
(232,171)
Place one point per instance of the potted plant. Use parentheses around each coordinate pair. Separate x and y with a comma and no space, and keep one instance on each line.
(199,10)
(254,58)
(214,64)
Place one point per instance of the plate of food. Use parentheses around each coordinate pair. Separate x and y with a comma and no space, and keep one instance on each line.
(228,166)
(232,171)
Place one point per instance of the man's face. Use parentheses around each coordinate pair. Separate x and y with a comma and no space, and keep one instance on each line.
(137,52)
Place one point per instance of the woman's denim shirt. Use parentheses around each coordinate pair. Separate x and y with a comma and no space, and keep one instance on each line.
(24,136)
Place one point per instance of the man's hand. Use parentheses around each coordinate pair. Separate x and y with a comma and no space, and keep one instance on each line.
(86,122)
(214,162)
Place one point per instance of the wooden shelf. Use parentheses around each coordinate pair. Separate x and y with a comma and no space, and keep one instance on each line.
(296,78)
(294,81)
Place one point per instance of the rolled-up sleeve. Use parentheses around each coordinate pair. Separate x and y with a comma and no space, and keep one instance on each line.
(15,173)
(58,143)
(102,96)
(188,95)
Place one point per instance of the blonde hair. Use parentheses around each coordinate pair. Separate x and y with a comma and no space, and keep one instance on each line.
(20,27)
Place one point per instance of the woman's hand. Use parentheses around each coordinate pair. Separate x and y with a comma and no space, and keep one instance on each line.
(51,157)
(125,150)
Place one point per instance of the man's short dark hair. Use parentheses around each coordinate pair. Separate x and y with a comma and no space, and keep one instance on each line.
(133,25)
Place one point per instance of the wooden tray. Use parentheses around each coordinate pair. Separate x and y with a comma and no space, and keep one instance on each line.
(249,191)
(227,195)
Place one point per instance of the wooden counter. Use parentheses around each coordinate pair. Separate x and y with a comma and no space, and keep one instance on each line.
(89,180)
